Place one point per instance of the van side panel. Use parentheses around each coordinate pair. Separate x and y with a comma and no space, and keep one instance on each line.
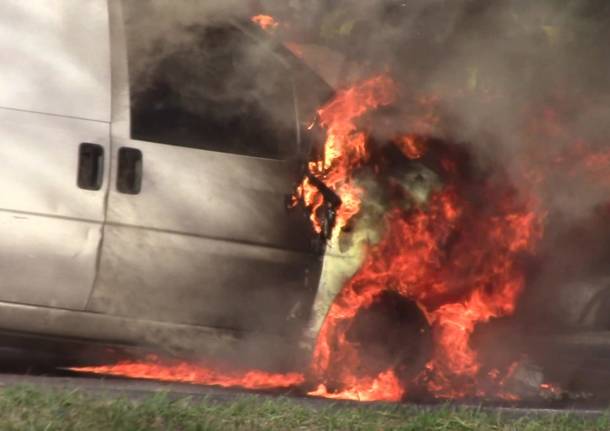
(47,261)
(50,229)
(55,57)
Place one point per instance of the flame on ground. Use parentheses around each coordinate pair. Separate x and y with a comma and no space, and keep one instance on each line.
(155,369)
(384,387)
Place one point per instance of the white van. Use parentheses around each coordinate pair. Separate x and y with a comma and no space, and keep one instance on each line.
(139,204)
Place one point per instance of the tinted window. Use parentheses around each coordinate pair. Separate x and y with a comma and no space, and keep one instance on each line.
(210,87)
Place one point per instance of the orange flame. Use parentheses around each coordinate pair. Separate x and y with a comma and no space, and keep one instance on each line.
(550,389)
(411,147)
(345,147)
(266,22)
(384,387)
(478,279)
(153,368)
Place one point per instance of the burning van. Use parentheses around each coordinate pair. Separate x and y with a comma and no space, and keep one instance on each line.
(187,183)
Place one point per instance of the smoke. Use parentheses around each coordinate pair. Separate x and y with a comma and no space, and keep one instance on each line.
(509,66)
(497,67)
(525,85)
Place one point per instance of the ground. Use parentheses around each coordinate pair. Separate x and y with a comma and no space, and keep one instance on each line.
(30,407)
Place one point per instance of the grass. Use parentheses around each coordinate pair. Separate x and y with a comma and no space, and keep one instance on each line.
(27,408)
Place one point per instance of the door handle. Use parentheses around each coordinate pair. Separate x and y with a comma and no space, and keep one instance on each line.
(129,177)
(90,166)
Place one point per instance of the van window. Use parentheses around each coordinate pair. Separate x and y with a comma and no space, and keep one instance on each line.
(208,86)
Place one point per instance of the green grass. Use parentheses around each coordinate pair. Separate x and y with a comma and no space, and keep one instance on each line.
(23,408)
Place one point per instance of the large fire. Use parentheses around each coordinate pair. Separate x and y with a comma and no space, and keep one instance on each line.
(458,260)
(457,255)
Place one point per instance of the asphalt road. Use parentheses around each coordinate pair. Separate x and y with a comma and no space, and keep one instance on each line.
(116,387)
(22,367)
